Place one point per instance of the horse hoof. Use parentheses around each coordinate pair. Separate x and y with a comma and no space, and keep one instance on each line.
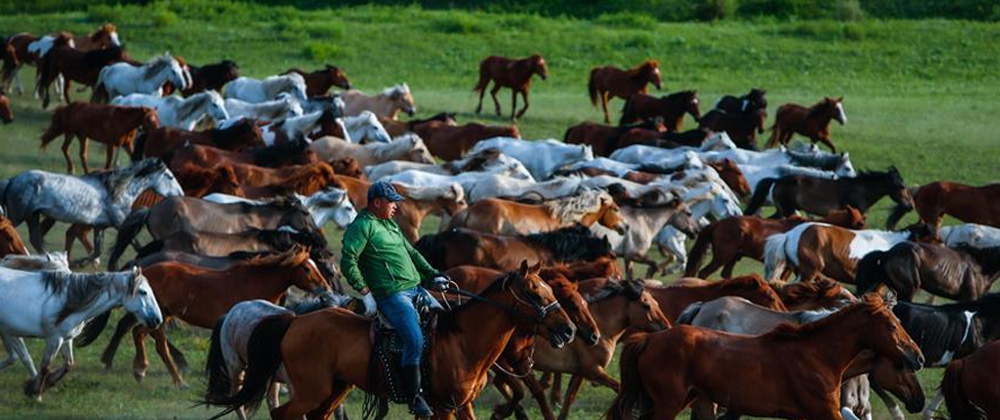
(182,386)
(139,376)
(108,367)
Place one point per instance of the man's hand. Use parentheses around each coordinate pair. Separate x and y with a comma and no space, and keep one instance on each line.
(369,301)
(440,282)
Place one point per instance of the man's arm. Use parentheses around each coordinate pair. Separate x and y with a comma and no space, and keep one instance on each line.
(355,240)
(423,267)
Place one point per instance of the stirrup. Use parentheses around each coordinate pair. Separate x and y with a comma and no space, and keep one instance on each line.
(418,407)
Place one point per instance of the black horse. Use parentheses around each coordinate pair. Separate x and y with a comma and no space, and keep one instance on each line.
(742,127)
(752,101)
(819,195)
(965,273)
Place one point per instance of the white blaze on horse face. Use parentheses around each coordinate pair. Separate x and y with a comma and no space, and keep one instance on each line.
(114,39)
(841,113)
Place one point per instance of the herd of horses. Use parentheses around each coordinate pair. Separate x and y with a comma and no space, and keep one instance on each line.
(234,178)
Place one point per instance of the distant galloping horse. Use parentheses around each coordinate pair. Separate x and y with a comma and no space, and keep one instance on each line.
(29,49)
(385,105)
(610,82)
(671,108)
(970,204)
(510,73)
(260,90)
(121,79)
(812,122)
(74,65)
(113,125)
(754,100)
(320,81)
(211,76)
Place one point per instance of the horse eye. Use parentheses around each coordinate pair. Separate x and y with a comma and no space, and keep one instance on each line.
(143,293)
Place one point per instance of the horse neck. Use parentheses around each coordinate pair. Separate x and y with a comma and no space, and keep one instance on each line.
(110,297)
(270,280)
(188,110)
(873,193)
(835,343)
(135,187)
(481,332)
(614,321)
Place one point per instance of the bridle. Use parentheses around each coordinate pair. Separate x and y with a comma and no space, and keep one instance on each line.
(541,311)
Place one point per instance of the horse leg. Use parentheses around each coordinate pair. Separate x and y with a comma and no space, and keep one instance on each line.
(574,387)
(66,83)
(513,105)
(556,393)
(35,235)
(601,377)
(727,271)
(139,363)
(160,335)
(890,403)
(308,399)
(604,105)
(96,253)
(108,357)
(328,405)
(83,154)
(70,363)
(109,151)
(525,95)
(493,93)
(826,140)
(508,388)
(17,349)
(482,93)
(933,406)
(34,387)
(67,140)
(539,393)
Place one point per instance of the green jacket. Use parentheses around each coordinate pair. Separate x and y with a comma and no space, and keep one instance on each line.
(376,255)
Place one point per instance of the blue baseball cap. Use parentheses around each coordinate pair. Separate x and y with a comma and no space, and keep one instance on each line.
(383,189)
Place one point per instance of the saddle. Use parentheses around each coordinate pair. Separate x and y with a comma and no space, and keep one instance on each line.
(387,348)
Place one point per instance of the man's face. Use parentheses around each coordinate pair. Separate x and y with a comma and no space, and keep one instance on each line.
(383,208)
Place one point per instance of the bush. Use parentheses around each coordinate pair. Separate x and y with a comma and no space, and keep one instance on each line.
(163,18)
(627,21)
(102,13)
(710,10)
(459,23)
(322,52)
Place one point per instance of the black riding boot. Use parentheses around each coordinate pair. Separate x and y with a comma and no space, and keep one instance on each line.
(411,386)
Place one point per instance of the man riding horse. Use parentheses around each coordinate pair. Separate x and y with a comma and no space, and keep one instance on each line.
(380,263)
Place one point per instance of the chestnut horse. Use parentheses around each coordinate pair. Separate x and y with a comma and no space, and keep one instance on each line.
(211,76)
(291,153)
(302,179)
(113,125)
(797,369)
(6,114)
(792,193)
(74,65)
(10,241)
(605,139)
(452,142)
(334,343)
(418,204)
(502,217)
(733,238)
(819,294)
(510,73)
(609,82)
(674,299)
(461,246)
(812,122)
(236,137)
(319,82)
(671,108)
(967,203)
(969,385)
(397,128)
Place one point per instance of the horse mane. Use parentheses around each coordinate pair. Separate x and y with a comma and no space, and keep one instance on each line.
(571,209)
(643,70)
(81,289)
(192,103)
(396,90)
(156,65)
(565,242)
(290,258)
(632,290)
(452,191)
(116,181)
(819,107)
(797,291)
(50,261)
(792,331)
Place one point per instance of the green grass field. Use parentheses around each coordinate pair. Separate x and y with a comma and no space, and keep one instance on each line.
(919,94)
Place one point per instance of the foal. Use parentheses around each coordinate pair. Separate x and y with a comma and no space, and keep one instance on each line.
(113,125)
(511,73)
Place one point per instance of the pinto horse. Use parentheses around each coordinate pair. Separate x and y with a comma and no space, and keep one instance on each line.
(819,195)
(29,49)
(510,73)
(74,65)
(333,343)
(671,108)
(801,366)
(460,246)
(812,122)
(962,274)
(452,142)
(502,217)
(319,82)
(113,125)
(733,238)
(211,76)
(609,82)
(969,386)
(242,135)
(967,203)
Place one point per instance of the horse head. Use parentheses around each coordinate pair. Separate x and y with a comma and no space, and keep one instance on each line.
(150,119)
(106,36)
(897,189)
(643,311)
(335,201)
(651,70)
(682,218)
(156,175)
(883,332)
(418,151)
(538,66)
(691,99)
(139,300)
(304,272)
(337,76)
(180,77)
(532,298)
(402,98)
(576,307)
(756,98)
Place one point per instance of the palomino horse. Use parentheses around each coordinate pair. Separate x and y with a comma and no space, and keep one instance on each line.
(961,274)
(121,79)
(113,125)
(694,363)
(605,139)
(73,65)
(460,246)
(671,108)
(54,305)
(970,390)
(284,106)
(609,82)
(319,82)
(812,122)
(469,340)
(252,90)
(10,241)
(510,73)
(398,128)
(819,196)
(106,197)
(502,217)
(180,112)
(385,105)
(742,127)
(967,203)
(409,147)
(452,142)
(733,238)
(420,201)
(237,136)
(29,49)
(211,76)
(6,114)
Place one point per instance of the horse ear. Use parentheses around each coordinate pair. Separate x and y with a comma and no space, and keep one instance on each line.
(840,99)
(523,269)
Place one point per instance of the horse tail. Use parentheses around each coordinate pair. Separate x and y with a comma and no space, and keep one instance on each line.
(775,133)
(56,127)
(139,146)
(697,253)
(689,313)
(774,256)
(92,329)
(100,92)
(760,196)
(127,233)
(592,86)
(263,360)
(484,76)
(870,271)
(215,366)
(900,210)
(955,398)
(632,397)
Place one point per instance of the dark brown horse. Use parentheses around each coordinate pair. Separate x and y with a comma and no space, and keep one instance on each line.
(239,136)
(397,128)
(671,108)
(742,127)
(610,82)
(812,122)
(8,56)
(665,139)
(733,238)
(319,82)
(961,274)
(820,196)
(6,114)
(460,246)
(105,36)
(212,76)
(969,385)
(605,139)
(967,203)
(113,125)
(754,100)
(449,142)
(76,66)
(797,370)
(509,73)
(285,154)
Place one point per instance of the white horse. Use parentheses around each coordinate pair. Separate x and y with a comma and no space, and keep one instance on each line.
(99,200)
(643,225)
(255,91)
(409,147)
(292,128)
(709,200)
(57,261)
(488,161)
(365,126)
(666,159)
(179,112)
(124,78)
(970,234)
(54,305)
(324,206)
(386,104)
(542,158)
(284,106)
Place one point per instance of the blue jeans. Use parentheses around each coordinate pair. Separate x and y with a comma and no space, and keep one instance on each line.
(398,309)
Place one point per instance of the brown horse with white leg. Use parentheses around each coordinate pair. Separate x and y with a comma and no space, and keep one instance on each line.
(812,122)
(334,343)
(510,73)
(970,204)
(671,108)
(319,82)
(796,373)
(610,82)
(113,125)
(74,65)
